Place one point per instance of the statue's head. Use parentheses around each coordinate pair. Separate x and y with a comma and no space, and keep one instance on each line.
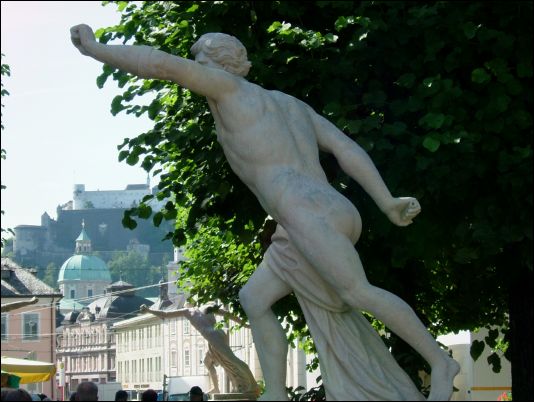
(224,50)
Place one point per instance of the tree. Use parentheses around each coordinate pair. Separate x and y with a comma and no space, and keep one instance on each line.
(135,268)
(437,93)
(50,276)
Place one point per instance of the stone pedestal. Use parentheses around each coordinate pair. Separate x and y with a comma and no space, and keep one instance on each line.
(235,396)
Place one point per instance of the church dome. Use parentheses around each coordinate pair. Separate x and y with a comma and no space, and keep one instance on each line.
(84,268)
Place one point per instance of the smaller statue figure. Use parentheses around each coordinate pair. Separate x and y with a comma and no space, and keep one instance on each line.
(18,304)
(219,352)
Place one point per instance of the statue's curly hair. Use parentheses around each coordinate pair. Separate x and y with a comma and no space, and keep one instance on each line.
(225,50)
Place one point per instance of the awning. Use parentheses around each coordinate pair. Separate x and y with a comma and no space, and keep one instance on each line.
(28,370)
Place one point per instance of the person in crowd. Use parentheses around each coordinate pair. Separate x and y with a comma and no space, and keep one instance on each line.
(87,391)
(196,394)
(121,395)
(149,396)
(17,395)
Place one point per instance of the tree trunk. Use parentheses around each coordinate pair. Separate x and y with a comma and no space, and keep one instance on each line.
(521,336)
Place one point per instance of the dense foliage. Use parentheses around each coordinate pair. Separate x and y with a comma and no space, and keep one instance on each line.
(135,268)
(439,95)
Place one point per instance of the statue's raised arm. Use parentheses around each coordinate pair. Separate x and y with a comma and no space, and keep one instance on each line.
(18,304)
(357,164)
(146,62)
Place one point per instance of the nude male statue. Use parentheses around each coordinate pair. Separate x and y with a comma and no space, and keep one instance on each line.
(271,141)
(18,304)
(219,352)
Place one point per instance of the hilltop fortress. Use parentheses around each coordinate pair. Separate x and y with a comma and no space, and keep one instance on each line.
(102,211)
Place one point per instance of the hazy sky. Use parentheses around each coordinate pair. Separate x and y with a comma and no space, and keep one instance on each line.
(58,128)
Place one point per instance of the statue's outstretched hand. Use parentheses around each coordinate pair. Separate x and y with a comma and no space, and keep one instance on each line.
(82,36)
(402,210)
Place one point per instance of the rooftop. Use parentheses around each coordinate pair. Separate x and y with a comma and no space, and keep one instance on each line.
(18,281)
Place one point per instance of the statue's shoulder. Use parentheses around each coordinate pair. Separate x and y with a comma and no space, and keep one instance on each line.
(291,104)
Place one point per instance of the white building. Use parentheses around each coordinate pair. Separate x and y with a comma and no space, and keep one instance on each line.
(149,348)
(140,353)
(127,198)
(476,381)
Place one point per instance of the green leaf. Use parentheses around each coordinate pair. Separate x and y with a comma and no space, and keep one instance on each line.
(396,128)
(129,223)
(491,338)
(132,159)
(465,255)
(192,9)
(432,120)
(432,144)
(477,347)
(123,155)
(470,30)
(480,76)
(121,5)
(116,105)
(343,22)
(274,26)
(500,102)
(494,361)
(157,219)
(406,80)
(144,211)
(354,126)
(524,69)
(376,98)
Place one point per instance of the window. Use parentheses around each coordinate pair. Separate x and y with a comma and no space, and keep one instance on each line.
(186,327)
(134,371)
(72,293)
(30,329)
(173,358)
(89,292)
(201,356)
(173,327)
(187,358)
(142,374)
(4,327)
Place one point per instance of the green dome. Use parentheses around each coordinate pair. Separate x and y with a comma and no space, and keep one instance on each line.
(84,268)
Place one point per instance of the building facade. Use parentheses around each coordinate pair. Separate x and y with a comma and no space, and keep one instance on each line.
(150,348)
(29,332)
(87,342)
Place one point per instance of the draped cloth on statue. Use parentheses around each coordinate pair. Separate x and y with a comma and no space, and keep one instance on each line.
(237,370)
(355,363)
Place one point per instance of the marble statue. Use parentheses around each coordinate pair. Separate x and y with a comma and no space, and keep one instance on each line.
(219,352)
(271,141)
(18,304)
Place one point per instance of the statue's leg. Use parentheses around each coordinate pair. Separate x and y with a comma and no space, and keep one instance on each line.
(332,254)
(210,365)
(257,296)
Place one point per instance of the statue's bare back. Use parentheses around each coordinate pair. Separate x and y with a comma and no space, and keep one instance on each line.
(269,140)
